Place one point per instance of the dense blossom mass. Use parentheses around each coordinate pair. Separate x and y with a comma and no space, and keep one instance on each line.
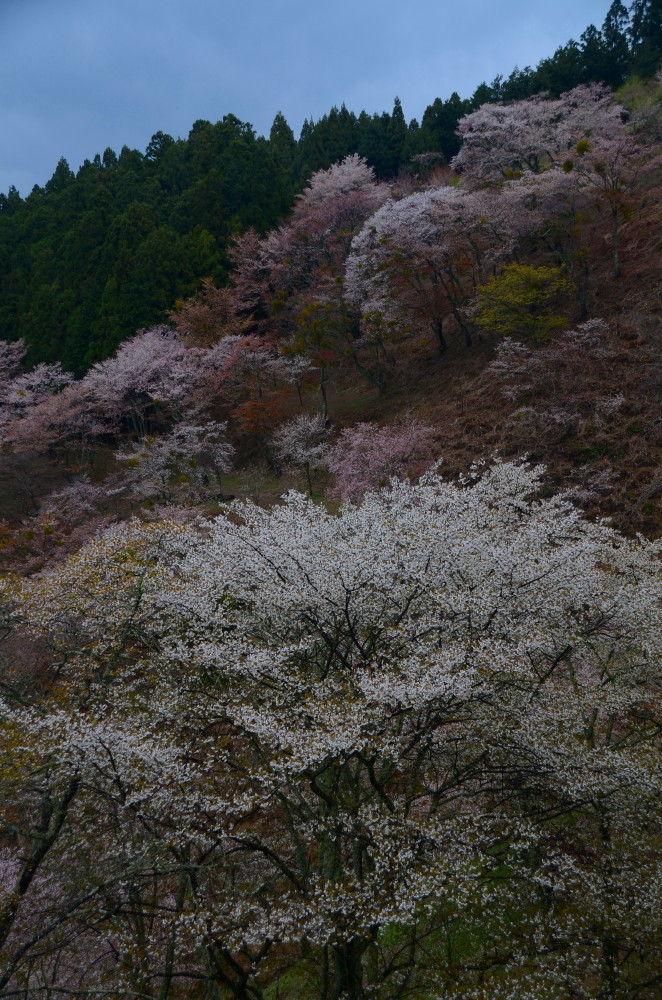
(352,730)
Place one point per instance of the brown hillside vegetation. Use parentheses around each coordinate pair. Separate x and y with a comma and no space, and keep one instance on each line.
(612,464)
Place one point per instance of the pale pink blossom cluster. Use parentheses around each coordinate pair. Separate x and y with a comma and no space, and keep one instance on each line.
(499,139)
(366,456)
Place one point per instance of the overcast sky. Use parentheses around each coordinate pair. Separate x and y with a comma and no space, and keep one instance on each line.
(77,76)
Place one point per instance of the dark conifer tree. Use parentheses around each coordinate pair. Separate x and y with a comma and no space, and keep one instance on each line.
(645,36)
(282,144)
(519,85)
(398,138)
(62,177)
(617,50)
(439,125)
(562,72)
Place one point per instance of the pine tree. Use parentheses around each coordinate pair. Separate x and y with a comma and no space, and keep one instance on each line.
(282,144)
(645,36)
(615,35)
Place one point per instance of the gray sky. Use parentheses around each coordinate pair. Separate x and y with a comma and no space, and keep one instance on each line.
(77,76)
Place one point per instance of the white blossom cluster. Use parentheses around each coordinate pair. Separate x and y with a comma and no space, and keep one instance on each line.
(431,717)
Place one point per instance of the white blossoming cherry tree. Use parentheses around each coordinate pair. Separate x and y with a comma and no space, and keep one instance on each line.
(404,750)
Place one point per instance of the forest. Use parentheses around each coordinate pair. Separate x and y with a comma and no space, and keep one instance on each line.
(330,539)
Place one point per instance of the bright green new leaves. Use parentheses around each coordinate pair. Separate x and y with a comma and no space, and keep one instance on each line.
(521,301)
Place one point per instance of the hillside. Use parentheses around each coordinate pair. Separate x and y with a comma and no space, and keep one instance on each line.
(369,305)
(330,631)
(95,254)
